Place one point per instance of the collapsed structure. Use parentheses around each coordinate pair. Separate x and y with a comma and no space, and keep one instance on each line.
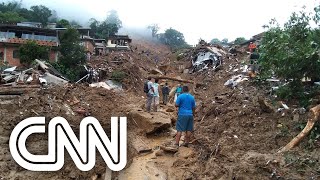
(207,57)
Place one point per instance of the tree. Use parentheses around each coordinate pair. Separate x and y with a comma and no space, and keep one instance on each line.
(224,41)
(25,13)
(72,55)
(110,26)
(72,52)
(239,40)
(154,29)
(30,51)
(10,6)
(63,23)
(93,24)
(292,52)
(173,38)
(75,24)
(215,41)
(54,17)
(40,14)
(113,18)
(10,17)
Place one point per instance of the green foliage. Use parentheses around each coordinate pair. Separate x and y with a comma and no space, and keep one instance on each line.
(113,18)
(173,38)
(9,6)
(110,26)
(11,12)
(25,13)
(75,24)
(292,53)
(10,17)
(30,51)
(63,23)
(239,40)
(72,52)
(313,136)
(118,75)
(72,55)
(73,74)
(40,14)
(154,29)
(225,41)
(215,41)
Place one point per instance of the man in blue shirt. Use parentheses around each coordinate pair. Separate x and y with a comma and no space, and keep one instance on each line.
(186,104)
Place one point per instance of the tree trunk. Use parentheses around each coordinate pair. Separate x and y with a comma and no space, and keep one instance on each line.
(295,141)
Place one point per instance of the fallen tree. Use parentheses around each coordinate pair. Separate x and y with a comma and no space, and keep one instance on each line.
(173,79)
(295,141)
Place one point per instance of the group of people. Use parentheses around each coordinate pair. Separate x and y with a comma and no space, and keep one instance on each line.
(184,101)
(153,95)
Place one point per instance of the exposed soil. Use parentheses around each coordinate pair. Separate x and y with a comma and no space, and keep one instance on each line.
(233,137)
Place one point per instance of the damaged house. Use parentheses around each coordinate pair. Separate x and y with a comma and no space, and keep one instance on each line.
(118,43)
(13,36)
(100,47)
(85,39)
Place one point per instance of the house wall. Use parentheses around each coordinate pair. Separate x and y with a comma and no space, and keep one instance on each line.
(8,55)
(110,44)
(88,45)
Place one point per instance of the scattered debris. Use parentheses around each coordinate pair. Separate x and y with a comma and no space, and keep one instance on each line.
(235,80)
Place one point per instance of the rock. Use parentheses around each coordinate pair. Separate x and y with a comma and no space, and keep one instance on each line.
(185,152)
(265,106)
(159,153)
(170,109)
(156,71)
(4,140)
(172,132)
(296,117)
(149,123)
(169,149)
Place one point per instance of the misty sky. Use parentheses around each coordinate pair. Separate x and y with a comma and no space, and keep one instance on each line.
(204,19)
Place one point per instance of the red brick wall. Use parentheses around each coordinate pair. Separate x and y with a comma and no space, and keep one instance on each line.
(9,56)
(16,61)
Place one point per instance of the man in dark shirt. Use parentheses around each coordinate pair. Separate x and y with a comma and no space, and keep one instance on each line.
(165,93)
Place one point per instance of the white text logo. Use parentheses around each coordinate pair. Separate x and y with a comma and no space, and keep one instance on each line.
(61,137)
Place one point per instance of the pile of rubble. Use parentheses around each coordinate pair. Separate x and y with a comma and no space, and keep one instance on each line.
(204,57)
(15,82)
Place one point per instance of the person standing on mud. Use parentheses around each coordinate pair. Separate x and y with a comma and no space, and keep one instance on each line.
(150,94)
(156,95)
(165,93)
(186,106)
(178,92)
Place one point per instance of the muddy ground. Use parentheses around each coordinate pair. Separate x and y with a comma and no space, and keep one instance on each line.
(233,138)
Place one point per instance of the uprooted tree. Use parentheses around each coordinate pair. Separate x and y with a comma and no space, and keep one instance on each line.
(292,52)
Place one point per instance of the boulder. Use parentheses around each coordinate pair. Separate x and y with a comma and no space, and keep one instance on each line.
(149,122)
